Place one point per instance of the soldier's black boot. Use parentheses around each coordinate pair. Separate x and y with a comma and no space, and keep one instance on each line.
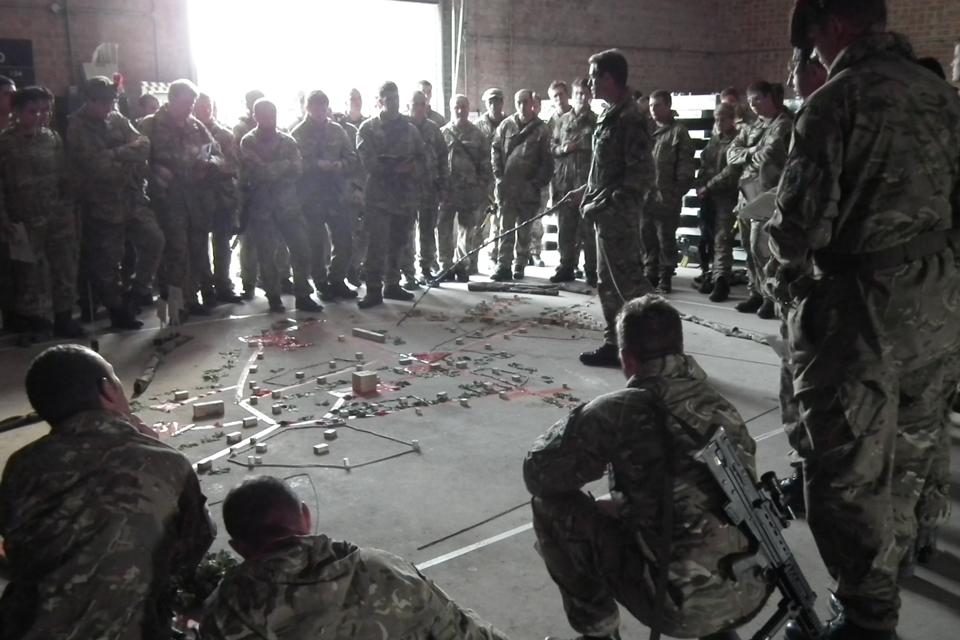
(340,289)
(926,544)
(324,291)
(276,304)
(591,277)
(209,298)
(286,286)
(373,297)
(306,303)
(767,310)
(563,275)
(605,356)
(654,280)
(706,287)
(666,283)
(751,304)
(396,292)
(64,326)
(124,319)
(228,296)
(721,290)
(249,292)
(463,273)
(353,277)
(840,628)
(501,275)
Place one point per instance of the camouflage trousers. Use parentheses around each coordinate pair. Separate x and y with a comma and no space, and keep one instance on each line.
(388,235)
(619,269)
(8,289)
(184,253)
(597,562)
(424,238)
(723,235)
(511,215)
(457,226)
(870,352)
(104,244)
(271,230)
(49,283)
(250,263)
(328,226)
(658,237)
(360,240)
(933,506)
(575,234)
(224,228)
(756,242)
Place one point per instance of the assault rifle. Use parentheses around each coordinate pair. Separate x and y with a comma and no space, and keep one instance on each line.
(758,508)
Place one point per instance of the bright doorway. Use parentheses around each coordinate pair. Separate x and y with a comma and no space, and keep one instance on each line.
(287,47)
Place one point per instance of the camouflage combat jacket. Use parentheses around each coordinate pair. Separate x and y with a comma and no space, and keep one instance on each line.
(623,433)
(95,518)
(521,159)
(108,159)
(468,157)
(314,587)
(382,145)
(270,166)
(328,141)
(572,167)
(673,154)
(34,183)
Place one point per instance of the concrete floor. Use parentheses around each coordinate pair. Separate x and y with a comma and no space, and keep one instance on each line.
(457,507)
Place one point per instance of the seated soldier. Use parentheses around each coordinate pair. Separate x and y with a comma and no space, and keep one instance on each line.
(97,515)
(608,550)
(296,585)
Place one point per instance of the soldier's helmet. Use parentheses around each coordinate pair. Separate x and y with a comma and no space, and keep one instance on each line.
(101,89)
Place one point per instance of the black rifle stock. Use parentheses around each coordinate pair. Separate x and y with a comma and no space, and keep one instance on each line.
(758,509)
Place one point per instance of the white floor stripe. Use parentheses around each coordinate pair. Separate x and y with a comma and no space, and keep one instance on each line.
(473,547)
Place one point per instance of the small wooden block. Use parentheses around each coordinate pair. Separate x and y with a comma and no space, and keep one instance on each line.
(234,438)
(276,395)
(250,422)
(460,342)
(300,375)
(180,396)
(488,347)
(254,368)
(277,409)
(204,466)
(254,400)
(261,447)
(406,361)
(341,338)
(321,449)
(503,395)
(359,356)
(373,336)
(464,403)
(330,434)
(321,380)
(250,461)
(517,379)
(260,356)
(365,381)
(463,364)
(257,460)
(203,410)
(333,364)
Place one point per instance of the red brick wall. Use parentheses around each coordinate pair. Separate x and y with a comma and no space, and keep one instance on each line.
(154,42)
(758,47)
(516,44)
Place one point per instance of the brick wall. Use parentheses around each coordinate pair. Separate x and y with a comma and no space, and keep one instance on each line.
(757,43)
(517,44)
(153,38)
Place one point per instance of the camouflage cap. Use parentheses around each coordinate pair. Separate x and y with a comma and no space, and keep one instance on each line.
(493,94)
(101,88)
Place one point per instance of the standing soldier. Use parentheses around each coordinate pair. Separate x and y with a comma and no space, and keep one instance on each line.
(717,188)
(673,155)
(427,90)
(36,207)
(468,161)
(522,167)
(351,121)
(270,166)
(222,199)
(434,177)
(621,176)
(147,105)
(571,146)
(391,150)
(760,152)
(861,244)
(8,302)
(326,189)
(488,123)
(745,116)
(559,94)
(108,161)
(183,155)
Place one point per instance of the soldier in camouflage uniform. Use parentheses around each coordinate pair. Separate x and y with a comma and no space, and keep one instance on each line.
(490,224)
(870,189)
(717,187)
(391,150)
(94,539)
(572,152)
(522,167)
(608,551)
(222,198)
(326,192)
(673,155)
(621,175)
(8,296)
(7,88)
(34,192)
(183,156)
(760,151)
(293,585)
(467,154)
(351,121)
(434,176)
(270,167)
(108,160)
(426,89)
(745,115)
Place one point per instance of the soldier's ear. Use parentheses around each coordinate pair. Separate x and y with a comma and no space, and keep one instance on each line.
(306,518)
